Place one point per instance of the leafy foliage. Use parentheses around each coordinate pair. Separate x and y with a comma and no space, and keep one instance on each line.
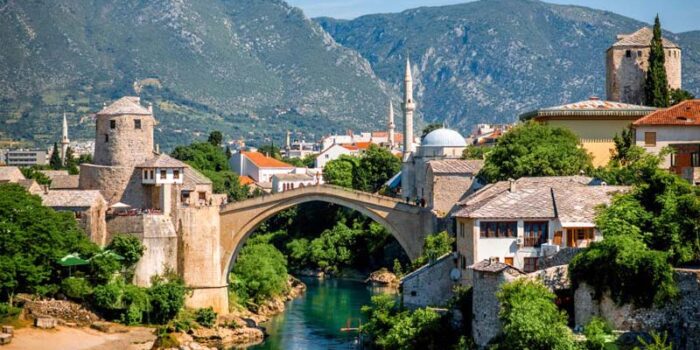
(656,84)
(167,297)
(679,95)
(340,171)
(259,273)
(76,288)
(32,239)
(55,160)
(598,333)
(658,341)
(129,247)
(271,150)
(206,317)
(215,138)
(534,149)
(530,318)
(365,173)
(430,128)
(475,152)
(435,246)
(34,173)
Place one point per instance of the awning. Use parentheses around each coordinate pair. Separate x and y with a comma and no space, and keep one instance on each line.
(120,205)
(72,260)
(394,182)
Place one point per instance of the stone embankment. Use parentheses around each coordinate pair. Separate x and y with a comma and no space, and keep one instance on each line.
(383,277)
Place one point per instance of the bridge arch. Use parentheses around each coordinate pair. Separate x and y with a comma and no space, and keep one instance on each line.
(407,223)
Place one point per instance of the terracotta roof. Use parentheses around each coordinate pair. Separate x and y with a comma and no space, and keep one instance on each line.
(590,107)
(246,180)
(162,161)
(363,145)
(642,37)
(125,105)
(10,173)
(684,113)
(572,199)
(65,182)
(71,198)
(455,166)
(349,147)
(264,161)
(398,136)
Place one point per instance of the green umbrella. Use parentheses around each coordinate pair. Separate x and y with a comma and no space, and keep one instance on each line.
(108,252)
(72,260)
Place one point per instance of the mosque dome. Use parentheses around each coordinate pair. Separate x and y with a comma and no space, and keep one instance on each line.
(443,138)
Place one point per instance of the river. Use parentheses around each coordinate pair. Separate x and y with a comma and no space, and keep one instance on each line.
(313,321)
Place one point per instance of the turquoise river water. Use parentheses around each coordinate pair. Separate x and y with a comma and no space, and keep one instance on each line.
(314,320)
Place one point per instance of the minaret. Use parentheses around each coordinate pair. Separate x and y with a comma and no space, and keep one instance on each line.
(64,140)
(288,141)
(408,107)
(392,126)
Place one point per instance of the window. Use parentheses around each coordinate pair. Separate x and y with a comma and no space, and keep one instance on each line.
(649,139)
(558,238)
(137,123)
(639,53)
(202,196)
(673,159)
(112,124)
(106,137)
(509,261)
(536,233)
(695,159)
(152,174)
(462,228)
(628,53)
(530,264)
(584,233)
(176,174)
(327,156)
(494,229)
(464,262)
(163,174)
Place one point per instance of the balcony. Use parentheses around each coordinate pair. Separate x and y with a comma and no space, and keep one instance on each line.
(534,241)
(691,174)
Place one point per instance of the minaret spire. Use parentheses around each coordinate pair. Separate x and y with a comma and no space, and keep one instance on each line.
(408,107)
(392,126)
(64,139)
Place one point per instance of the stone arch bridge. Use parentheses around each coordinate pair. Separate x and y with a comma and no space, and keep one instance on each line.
(409,224)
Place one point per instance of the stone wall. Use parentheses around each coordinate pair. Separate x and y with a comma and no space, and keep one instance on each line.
(430,285)
(448,190)
(116,184)
(680,318)
(124,145)
(626,75)
(485,306)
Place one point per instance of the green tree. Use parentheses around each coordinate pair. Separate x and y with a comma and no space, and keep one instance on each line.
(333,249)
(227,182)
(435,246)
(430,128)
(534,149)
(271,150)
(530,318)
(129,247)
(340,171)
(475,152)
(167,297)
(228,152)
(656,85)
(71,163)
(260,272)
(679,95)
(32,239)
(377,165)
(202,156)
(215,138)
(84,158)
(623,145)
(55,161)
(34,173)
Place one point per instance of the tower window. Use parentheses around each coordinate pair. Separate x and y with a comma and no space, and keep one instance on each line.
(163,175)
(137,123)
(639,53)
(106,137)
(112,124)
(628,53)
(176,174)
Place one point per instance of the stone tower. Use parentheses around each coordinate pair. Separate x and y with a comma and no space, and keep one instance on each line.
(409,106)
(627,61)
(64,140)
(124,133)
(392,127)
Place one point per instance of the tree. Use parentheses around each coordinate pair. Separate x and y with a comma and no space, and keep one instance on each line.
(435,246)
(55,161)
(429,128)
(679,95)
(623,144)
(259,273)
(474,152)
(656,85)
(32,239)
(530,318)
(340,171)
(202,156)
(228,152)
(215,138)
(227,182)
(534,149)
(167,297)
(71,164)
(35,174)
(377,165)
(129,247)
(271,150)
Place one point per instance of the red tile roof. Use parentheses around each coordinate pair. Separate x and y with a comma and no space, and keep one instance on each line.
(684,113)
(363,145)
(398,137)
(263,161)
(245,180)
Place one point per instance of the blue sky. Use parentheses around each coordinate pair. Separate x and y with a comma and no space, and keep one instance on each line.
(676,15)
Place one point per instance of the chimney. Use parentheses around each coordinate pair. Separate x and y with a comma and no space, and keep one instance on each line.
(512,185)
(150,107)
(493,260)
(46,189)
(157,148)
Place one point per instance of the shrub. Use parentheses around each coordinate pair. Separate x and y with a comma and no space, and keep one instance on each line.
(435,246)
(530,318)
(8,312)
(137,303)
(206,317)
(76,288)
(658,342)
(598,333)
(129,247)
(103,268)
(109,296)
(167,298)
(260,272)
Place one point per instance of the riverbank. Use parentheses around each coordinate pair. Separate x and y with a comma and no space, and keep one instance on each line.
(74,338)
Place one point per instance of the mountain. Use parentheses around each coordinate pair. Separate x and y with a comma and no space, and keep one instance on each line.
(490,60)
(250,68)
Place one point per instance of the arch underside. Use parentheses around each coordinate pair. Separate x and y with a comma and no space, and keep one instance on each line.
(251,225)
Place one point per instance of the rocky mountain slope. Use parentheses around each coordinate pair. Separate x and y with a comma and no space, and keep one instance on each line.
(250,68)
(488,61)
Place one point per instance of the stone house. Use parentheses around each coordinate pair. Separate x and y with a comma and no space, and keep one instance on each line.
(10,174)
(31,186)
(285,182)
(88,206)
(448,182)
(334,152)
(65,182)
(627,62)
(430,285)
(678,128)
(594,121)
(518,222)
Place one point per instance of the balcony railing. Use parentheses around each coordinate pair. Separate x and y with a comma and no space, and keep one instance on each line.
(533,241)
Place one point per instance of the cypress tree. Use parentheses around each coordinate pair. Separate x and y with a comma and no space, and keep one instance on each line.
(656,85)
(55,160)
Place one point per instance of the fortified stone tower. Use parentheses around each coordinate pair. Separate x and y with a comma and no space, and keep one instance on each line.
(123,140)
(627,61)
